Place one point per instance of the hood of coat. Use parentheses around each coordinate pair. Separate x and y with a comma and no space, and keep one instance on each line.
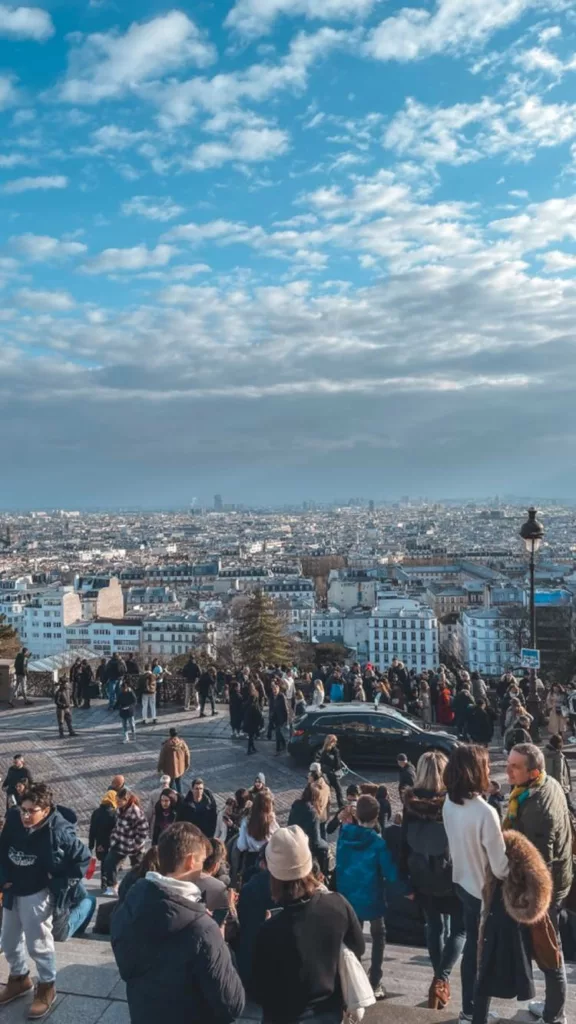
(423,804)
(358,837)
(527,891)
(553,755)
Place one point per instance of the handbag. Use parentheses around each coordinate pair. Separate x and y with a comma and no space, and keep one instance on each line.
(356,989)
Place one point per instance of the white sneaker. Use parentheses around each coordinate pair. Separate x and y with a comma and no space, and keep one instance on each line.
(464,1017)
(379,992)
(110,891)
(126,739)
(536,1008)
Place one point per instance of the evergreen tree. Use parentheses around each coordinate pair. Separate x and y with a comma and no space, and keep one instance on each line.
(9,641)
(261,633)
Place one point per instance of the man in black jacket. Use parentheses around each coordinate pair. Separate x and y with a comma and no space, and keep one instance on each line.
(279,717)
(17,772)
(199,808)
(169,950)
(21,672)
(191,673)
(406,773)
(206,685)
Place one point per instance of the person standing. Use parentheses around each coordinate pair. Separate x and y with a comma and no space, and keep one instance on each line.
(17,772)
(85,683)
(127,839)
(149,698)
(63,709)
(406,774)
(40,857)
(174,760)
(199,808)
(236,709)
(164,814)
(280,715)
(297,950)
(557,710)
(115,673)
(444,712)
(462,703)
(556,764)
(331,764)
(191,673)
(426,862)
(101,677)
(154,796)
(102,823)
(206,685)
(306,812)
(537,807)
(480,723)
(168,948)
(126,703)
(21,672)
(363,867)
(253,719)
(476,843)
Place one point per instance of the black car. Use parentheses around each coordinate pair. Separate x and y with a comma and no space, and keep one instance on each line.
(366,735)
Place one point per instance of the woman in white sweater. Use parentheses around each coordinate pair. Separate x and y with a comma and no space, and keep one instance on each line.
(476,844)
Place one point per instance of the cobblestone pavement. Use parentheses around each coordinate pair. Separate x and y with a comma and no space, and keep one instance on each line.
(80,768)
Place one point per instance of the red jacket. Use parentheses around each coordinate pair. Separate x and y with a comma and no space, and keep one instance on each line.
(445,713)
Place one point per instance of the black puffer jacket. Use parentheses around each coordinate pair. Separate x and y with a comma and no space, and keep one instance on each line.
(173,958)
(425,857)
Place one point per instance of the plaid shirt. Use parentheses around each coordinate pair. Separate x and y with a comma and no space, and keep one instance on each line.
(130,831)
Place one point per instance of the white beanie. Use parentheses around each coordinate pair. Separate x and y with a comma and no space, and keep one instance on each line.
(288,854)
(315,767)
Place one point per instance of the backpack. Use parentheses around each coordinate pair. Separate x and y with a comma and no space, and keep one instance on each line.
(428,862)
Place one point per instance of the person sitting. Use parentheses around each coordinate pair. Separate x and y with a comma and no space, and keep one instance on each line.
(74,918)
(164,814)
(214,890)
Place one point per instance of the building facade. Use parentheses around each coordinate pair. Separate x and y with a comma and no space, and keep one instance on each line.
(403,628)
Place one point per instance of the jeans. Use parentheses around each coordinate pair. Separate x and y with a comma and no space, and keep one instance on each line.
(148,706)
(129,724)
(555,979)
(63,716)
(280,738)
(80,916)
(176,785)
(445,938)
(378,933)
(471,910)
(190,696)
(112,693)
(210,697)
(28,925)
(20,689)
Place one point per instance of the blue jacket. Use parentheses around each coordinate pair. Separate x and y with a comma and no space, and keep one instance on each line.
(50,857)
(363,866)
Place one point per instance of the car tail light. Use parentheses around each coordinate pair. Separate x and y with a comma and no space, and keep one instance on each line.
(298,732)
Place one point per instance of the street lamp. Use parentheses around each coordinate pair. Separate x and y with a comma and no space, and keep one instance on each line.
(532,533)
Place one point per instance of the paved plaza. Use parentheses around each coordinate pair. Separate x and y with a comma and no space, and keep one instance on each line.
(80,769)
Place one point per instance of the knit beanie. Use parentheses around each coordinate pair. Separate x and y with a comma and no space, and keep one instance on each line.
(261,778)
(288,854)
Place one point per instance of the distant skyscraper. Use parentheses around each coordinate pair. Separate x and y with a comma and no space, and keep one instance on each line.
(218,503)
(371,505)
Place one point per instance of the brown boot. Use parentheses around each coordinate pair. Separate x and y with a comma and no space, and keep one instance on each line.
(437,995)
(18,985)
(45,996)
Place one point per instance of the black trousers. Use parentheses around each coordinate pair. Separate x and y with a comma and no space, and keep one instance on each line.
(210,697)
(335,784)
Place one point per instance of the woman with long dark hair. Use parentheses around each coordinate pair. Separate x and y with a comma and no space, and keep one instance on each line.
(165,814)
(306,812)
(331,763)
(236,709)
(253,719)
(476,844)
(426,862)
(256,828)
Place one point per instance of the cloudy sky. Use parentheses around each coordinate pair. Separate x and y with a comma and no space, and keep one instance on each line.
(286,249)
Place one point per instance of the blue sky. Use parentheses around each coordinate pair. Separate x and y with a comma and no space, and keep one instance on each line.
(283,249)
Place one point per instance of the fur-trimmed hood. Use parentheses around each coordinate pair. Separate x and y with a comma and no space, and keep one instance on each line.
(423,804)
(527,890)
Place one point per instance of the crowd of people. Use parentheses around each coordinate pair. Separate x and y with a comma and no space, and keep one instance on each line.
(220,902)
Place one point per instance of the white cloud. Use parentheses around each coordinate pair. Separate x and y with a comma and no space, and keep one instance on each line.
(247,145)
(222,95)
(8,92)
(436,134)
(454,25)
(8,160)
(30,184)
(57,302)
(224,232)
(256,17)
(108,65)
(137,258)
(162,208)
(556,262)
(540,224)
(178,294)
(41,248)
(112,136)
(25,23)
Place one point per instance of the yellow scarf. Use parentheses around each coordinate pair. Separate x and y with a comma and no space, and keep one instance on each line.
(517,797)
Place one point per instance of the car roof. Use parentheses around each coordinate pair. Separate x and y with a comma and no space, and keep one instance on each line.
(356,707)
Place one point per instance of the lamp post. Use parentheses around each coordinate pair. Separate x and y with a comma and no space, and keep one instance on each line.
(532,533)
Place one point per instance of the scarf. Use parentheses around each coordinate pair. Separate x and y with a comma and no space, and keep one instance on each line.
(517,797)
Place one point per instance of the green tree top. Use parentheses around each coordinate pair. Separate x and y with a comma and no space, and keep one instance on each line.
(261,633)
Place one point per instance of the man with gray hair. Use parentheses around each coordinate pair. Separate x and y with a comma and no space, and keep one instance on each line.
(538,809)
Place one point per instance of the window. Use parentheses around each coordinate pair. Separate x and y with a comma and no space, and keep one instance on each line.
(385,647)
(422,647)
(394,636)
(413,635)
(388,726)
(422,636)
(413,623)
(395,623)
(413,648)
(328,723)
(358,725)
(403,636)
(48,636)
(403,623)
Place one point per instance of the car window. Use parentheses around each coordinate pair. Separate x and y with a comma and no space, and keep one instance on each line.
(358,725)
(327,723)
(388,726)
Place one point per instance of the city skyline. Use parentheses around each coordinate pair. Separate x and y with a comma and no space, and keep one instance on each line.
(286,248)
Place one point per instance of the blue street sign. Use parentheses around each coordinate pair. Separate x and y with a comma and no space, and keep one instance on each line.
(529,658)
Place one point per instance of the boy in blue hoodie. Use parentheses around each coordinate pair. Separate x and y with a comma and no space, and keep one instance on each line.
(363,867)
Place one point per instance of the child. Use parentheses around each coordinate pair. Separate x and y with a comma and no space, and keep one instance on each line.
(496,798)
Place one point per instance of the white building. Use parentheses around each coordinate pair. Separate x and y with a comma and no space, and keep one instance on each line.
(404,628)
(171,633)
(324,625)
(351,590)
(45,618)
(101,597)
(106,635)
(487,643)
(156,597)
